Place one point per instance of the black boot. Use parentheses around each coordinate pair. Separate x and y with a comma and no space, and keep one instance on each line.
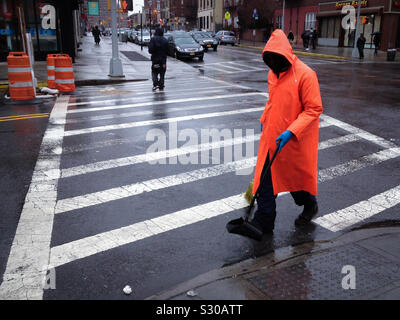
(264,221)
(309,212)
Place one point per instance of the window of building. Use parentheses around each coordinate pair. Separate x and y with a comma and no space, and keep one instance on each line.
(279,22)
(310,20)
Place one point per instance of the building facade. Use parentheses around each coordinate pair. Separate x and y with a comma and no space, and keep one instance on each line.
(326,17)
(232,8)
(98,12)
(209,15)
(171,14)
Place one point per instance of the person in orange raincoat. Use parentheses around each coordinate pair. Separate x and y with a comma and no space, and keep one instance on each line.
(290,122)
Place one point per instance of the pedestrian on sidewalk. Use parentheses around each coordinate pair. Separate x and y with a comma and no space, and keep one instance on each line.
(306,38)
(377,41)
(96,34)
(313,38)
(360,45)
(290,37)
(158,48)
(290,123)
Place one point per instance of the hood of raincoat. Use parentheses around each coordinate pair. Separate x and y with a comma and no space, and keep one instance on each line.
(278,53)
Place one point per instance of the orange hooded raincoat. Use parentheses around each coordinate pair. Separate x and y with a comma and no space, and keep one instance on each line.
(294,104)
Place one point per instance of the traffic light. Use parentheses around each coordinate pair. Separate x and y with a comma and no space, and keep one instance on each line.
(155,11)
(127,5)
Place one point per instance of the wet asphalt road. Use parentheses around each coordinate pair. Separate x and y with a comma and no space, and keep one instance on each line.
(94,252)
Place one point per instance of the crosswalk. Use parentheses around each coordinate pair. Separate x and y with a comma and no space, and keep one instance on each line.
(253,65)
(96,154)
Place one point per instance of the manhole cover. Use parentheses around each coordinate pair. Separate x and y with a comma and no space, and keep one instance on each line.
(319,276)
(134,56)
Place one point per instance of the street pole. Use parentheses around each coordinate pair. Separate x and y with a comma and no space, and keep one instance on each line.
(283,17)
(115,62)
(141,30)
(355,51)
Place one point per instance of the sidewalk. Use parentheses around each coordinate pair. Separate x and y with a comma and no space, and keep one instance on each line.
(310,271)
(328,52)
(92,64)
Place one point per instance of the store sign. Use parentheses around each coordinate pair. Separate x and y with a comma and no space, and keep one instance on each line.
(93,8)
(49,17)
(341,4)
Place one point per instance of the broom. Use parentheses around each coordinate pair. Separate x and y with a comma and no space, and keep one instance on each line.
(248,195)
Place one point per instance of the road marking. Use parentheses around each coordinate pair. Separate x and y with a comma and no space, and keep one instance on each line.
(86,247)
(359,132)
(357,164)
(337,141)
(130,190)
(83,248)
(160,155)
(153,122)
(153,156)
(153,103)
(360,211)
(144,97)
(147,92)
(25,116)
(29,255)
(96,145)
(217,69)
(117,193)
(148,112)
(247,66)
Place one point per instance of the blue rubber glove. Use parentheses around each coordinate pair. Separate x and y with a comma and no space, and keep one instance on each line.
(283,139)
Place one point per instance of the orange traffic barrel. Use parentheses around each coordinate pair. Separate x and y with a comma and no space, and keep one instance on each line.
(20,76)
(64,73)
(51,72)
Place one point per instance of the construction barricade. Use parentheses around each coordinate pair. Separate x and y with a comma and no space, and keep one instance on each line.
(64,73)
(20,77)
(51,72)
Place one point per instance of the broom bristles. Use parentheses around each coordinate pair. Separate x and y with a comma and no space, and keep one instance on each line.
(249,192)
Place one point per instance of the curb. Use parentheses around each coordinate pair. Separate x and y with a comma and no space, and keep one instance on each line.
(319,55)
(270,261)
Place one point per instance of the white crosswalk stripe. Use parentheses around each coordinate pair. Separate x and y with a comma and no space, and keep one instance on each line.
(51,173)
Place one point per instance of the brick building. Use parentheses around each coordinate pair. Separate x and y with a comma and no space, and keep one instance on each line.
(209,15)
(172,14)
(326,17)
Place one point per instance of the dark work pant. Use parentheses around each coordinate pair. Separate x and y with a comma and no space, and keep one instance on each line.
(361,52)
(158,70)
(266,211)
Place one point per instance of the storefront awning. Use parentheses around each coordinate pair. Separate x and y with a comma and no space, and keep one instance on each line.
(333,13)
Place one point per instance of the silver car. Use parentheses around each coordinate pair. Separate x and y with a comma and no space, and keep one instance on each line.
(226,37)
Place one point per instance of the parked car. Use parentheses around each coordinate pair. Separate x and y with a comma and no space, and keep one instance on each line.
(205,40)
(132,35)
(185,47)
(146,38)
(167,35)
(181,34)
(226,37)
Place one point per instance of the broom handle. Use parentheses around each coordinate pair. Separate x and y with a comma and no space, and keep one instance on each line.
(261,181)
